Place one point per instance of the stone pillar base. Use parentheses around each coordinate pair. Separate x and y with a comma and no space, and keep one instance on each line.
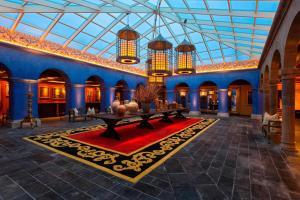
(288,147)
(256,116)
(16,123)
(194,113)
(220,114)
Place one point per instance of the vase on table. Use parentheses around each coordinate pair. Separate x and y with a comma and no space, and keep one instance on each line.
(146,107)
(114,106)
(132,107)
(121,110)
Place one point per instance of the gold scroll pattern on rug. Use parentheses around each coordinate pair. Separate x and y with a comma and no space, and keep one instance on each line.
(134,162)
(140,159)
(84,151)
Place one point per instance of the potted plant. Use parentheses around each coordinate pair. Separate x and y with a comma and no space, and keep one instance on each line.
(146,95)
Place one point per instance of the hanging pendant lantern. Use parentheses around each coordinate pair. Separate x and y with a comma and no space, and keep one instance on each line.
(159,57)
(185,58)
(128,51)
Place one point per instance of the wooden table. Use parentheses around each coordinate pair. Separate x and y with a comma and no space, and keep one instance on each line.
(112,120)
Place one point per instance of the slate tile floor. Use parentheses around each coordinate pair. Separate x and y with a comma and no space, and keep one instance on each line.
(230,161)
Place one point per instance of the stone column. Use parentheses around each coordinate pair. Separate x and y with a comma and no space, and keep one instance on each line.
(256,111)
(288,110)
(132,92)
(223,103)
(76,96)
(109,96)
(266,98)
(195,109)
(18,104)
(273,96)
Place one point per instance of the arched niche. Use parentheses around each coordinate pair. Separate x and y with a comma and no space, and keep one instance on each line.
(208,92)
(94,91)
(182,94)
(240,98)
(5,96)
(122,92)
(53,93)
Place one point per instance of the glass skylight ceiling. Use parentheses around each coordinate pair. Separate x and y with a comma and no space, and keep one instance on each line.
(222,30)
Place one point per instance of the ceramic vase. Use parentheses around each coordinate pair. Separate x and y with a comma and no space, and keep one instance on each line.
(115,105)
(121,110)
(132,107)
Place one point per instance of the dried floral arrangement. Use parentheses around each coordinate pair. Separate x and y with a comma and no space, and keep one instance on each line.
(228,66)
(31,42)
(147,94)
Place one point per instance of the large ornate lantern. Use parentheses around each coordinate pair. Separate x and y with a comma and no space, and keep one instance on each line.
(185,58)
(128,50)
(159,57)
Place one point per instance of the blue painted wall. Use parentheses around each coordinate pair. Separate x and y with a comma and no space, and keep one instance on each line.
(24,65)
(222,80)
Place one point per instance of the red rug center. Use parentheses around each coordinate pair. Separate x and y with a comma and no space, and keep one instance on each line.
(133,138)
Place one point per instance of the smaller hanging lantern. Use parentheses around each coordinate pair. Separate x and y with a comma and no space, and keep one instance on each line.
(128,46)
(185,58)
(158,80)
(159,57)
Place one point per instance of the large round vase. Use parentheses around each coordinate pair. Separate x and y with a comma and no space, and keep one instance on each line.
(132,107)
(146,107)
(121,110)
(115,105)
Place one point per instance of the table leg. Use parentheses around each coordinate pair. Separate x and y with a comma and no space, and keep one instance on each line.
(179,115)
(145,123)
(110,131)
(166,118)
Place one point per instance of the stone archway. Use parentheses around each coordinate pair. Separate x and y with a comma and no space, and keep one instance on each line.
(266,90)
(53,93)
(275,85)
(288,76)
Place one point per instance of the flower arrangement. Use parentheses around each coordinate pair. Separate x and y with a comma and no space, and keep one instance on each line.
(147,94)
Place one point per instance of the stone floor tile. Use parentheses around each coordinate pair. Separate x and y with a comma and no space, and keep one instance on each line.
(210,192)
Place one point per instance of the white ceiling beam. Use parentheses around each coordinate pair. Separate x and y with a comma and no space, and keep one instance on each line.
(17,21)
(85,7)
(47,4)
(50,27)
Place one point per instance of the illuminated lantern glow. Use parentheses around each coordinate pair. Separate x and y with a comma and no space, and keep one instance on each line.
(185,58)
(159,57)
(128,46)
(158,80)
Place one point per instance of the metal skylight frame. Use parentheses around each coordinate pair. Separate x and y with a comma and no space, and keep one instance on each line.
(231,40)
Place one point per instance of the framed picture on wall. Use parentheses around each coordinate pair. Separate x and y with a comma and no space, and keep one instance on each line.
(44,93)
(59,93)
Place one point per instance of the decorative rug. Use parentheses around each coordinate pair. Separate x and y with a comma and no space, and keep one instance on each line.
(137,153)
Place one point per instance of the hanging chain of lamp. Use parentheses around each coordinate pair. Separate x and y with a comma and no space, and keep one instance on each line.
(159,55)
(128,48)
(185,57)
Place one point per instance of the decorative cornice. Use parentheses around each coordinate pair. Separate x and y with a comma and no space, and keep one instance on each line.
(33,43)
(228,66)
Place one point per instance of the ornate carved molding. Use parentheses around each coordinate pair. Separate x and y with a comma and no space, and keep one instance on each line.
(228,66)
